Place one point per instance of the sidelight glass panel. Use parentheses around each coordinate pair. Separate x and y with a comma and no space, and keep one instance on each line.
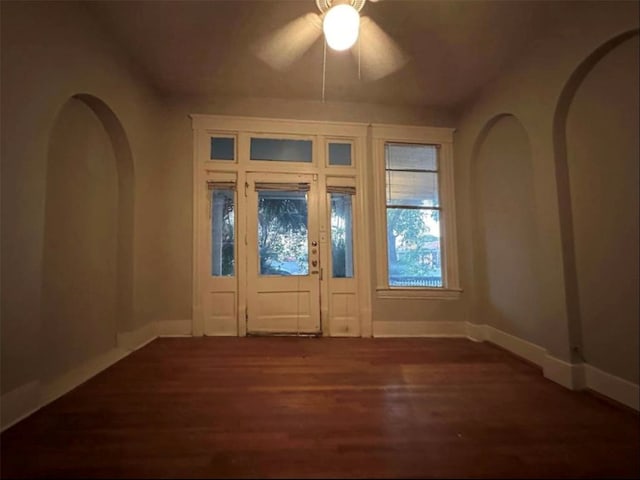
(283,243)
(341,236)
(414,247)
(281,150)
(222,233)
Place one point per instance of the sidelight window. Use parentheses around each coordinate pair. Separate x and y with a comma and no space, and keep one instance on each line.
(222,231)
(341,235)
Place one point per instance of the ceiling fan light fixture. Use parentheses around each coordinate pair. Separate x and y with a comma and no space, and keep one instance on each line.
(341,26)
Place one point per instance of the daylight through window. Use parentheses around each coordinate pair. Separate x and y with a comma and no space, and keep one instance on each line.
(414,244)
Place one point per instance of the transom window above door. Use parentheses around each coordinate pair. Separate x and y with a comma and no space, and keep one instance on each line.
(281,150)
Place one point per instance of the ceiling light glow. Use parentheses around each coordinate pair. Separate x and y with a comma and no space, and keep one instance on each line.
(341,25)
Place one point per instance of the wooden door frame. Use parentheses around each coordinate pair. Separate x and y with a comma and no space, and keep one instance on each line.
(242,129)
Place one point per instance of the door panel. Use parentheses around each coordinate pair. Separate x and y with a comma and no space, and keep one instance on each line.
(283,294)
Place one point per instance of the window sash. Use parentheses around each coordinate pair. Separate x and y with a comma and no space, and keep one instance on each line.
(407,191)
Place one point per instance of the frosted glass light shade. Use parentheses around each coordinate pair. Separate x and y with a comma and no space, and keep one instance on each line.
(341,25)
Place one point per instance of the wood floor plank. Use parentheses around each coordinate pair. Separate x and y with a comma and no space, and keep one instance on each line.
(287,407)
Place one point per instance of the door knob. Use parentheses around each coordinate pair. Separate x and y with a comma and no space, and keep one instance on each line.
(314,244)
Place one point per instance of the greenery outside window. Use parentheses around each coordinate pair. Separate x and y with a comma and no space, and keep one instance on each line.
(415,232)
(413,215)
(222,214)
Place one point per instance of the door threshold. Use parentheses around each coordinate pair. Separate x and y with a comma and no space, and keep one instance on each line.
(284,334)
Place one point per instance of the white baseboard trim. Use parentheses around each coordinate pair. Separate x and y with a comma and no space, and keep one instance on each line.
(18,404)
(137,338)
(476,332)
(527,350)
(569,375)
(25,400)
(174,328)
(574,376)
(21,402)
(419,329)
(57,387)
(619,389)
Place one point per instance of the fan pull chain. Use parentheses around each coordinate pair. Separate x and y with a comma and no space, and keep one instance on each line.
(359,77)
(324,68)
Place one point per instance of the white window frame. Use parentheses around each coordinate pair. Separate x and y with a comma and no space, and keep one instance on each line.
(443,137)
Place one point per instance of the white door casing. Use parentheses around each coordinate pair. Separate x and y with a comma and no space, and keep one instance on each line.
(317,303)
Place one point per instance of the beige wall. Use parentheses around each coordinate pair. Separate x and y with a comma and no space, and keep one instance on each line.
(602,157)
(531,90)
(79,272)
(312,110)
(506,234)
(52,51)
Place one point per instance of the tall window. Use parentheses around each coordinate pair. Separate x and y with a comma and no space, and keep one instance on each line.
(416,251)
(413,215)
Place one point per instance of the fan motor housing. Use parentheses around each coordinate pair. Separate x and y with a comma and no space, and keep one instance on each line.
(325,5)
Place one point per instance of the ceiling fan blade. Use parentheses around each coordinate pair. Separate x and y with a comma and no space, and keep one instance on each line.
(289,43)
(380,55)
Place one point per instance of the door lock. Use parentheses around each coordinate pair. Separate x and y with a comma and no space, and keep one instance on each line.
(314,263)
(314,244)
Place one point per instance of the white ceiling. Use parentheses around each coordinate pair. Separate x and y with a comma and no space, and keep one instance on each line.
(204,48)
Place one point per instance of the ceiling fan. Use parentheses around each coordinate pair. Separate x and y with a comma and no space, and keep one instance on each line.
(376,52)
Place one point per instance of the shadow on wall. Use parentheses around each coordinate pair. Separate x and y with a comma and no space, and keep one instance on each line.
(595,138)
(504,229)
(87,274)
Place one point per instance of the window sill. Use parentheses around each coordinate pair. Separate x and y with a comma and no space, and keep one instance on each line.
(426,293)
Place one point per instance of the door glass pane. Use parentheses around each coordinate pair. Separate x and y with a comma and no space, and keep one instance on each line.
(282,233)
(414,251)
(341,236)
(281,150)
(222,234)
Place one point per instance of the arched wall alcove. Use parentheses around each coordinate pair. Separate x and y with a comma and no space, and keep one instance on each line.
(87,276)
(504,229)
(595,136)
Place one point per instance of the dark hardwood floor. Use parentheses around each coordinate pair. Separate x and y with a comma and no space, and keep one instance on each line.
(320,407)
